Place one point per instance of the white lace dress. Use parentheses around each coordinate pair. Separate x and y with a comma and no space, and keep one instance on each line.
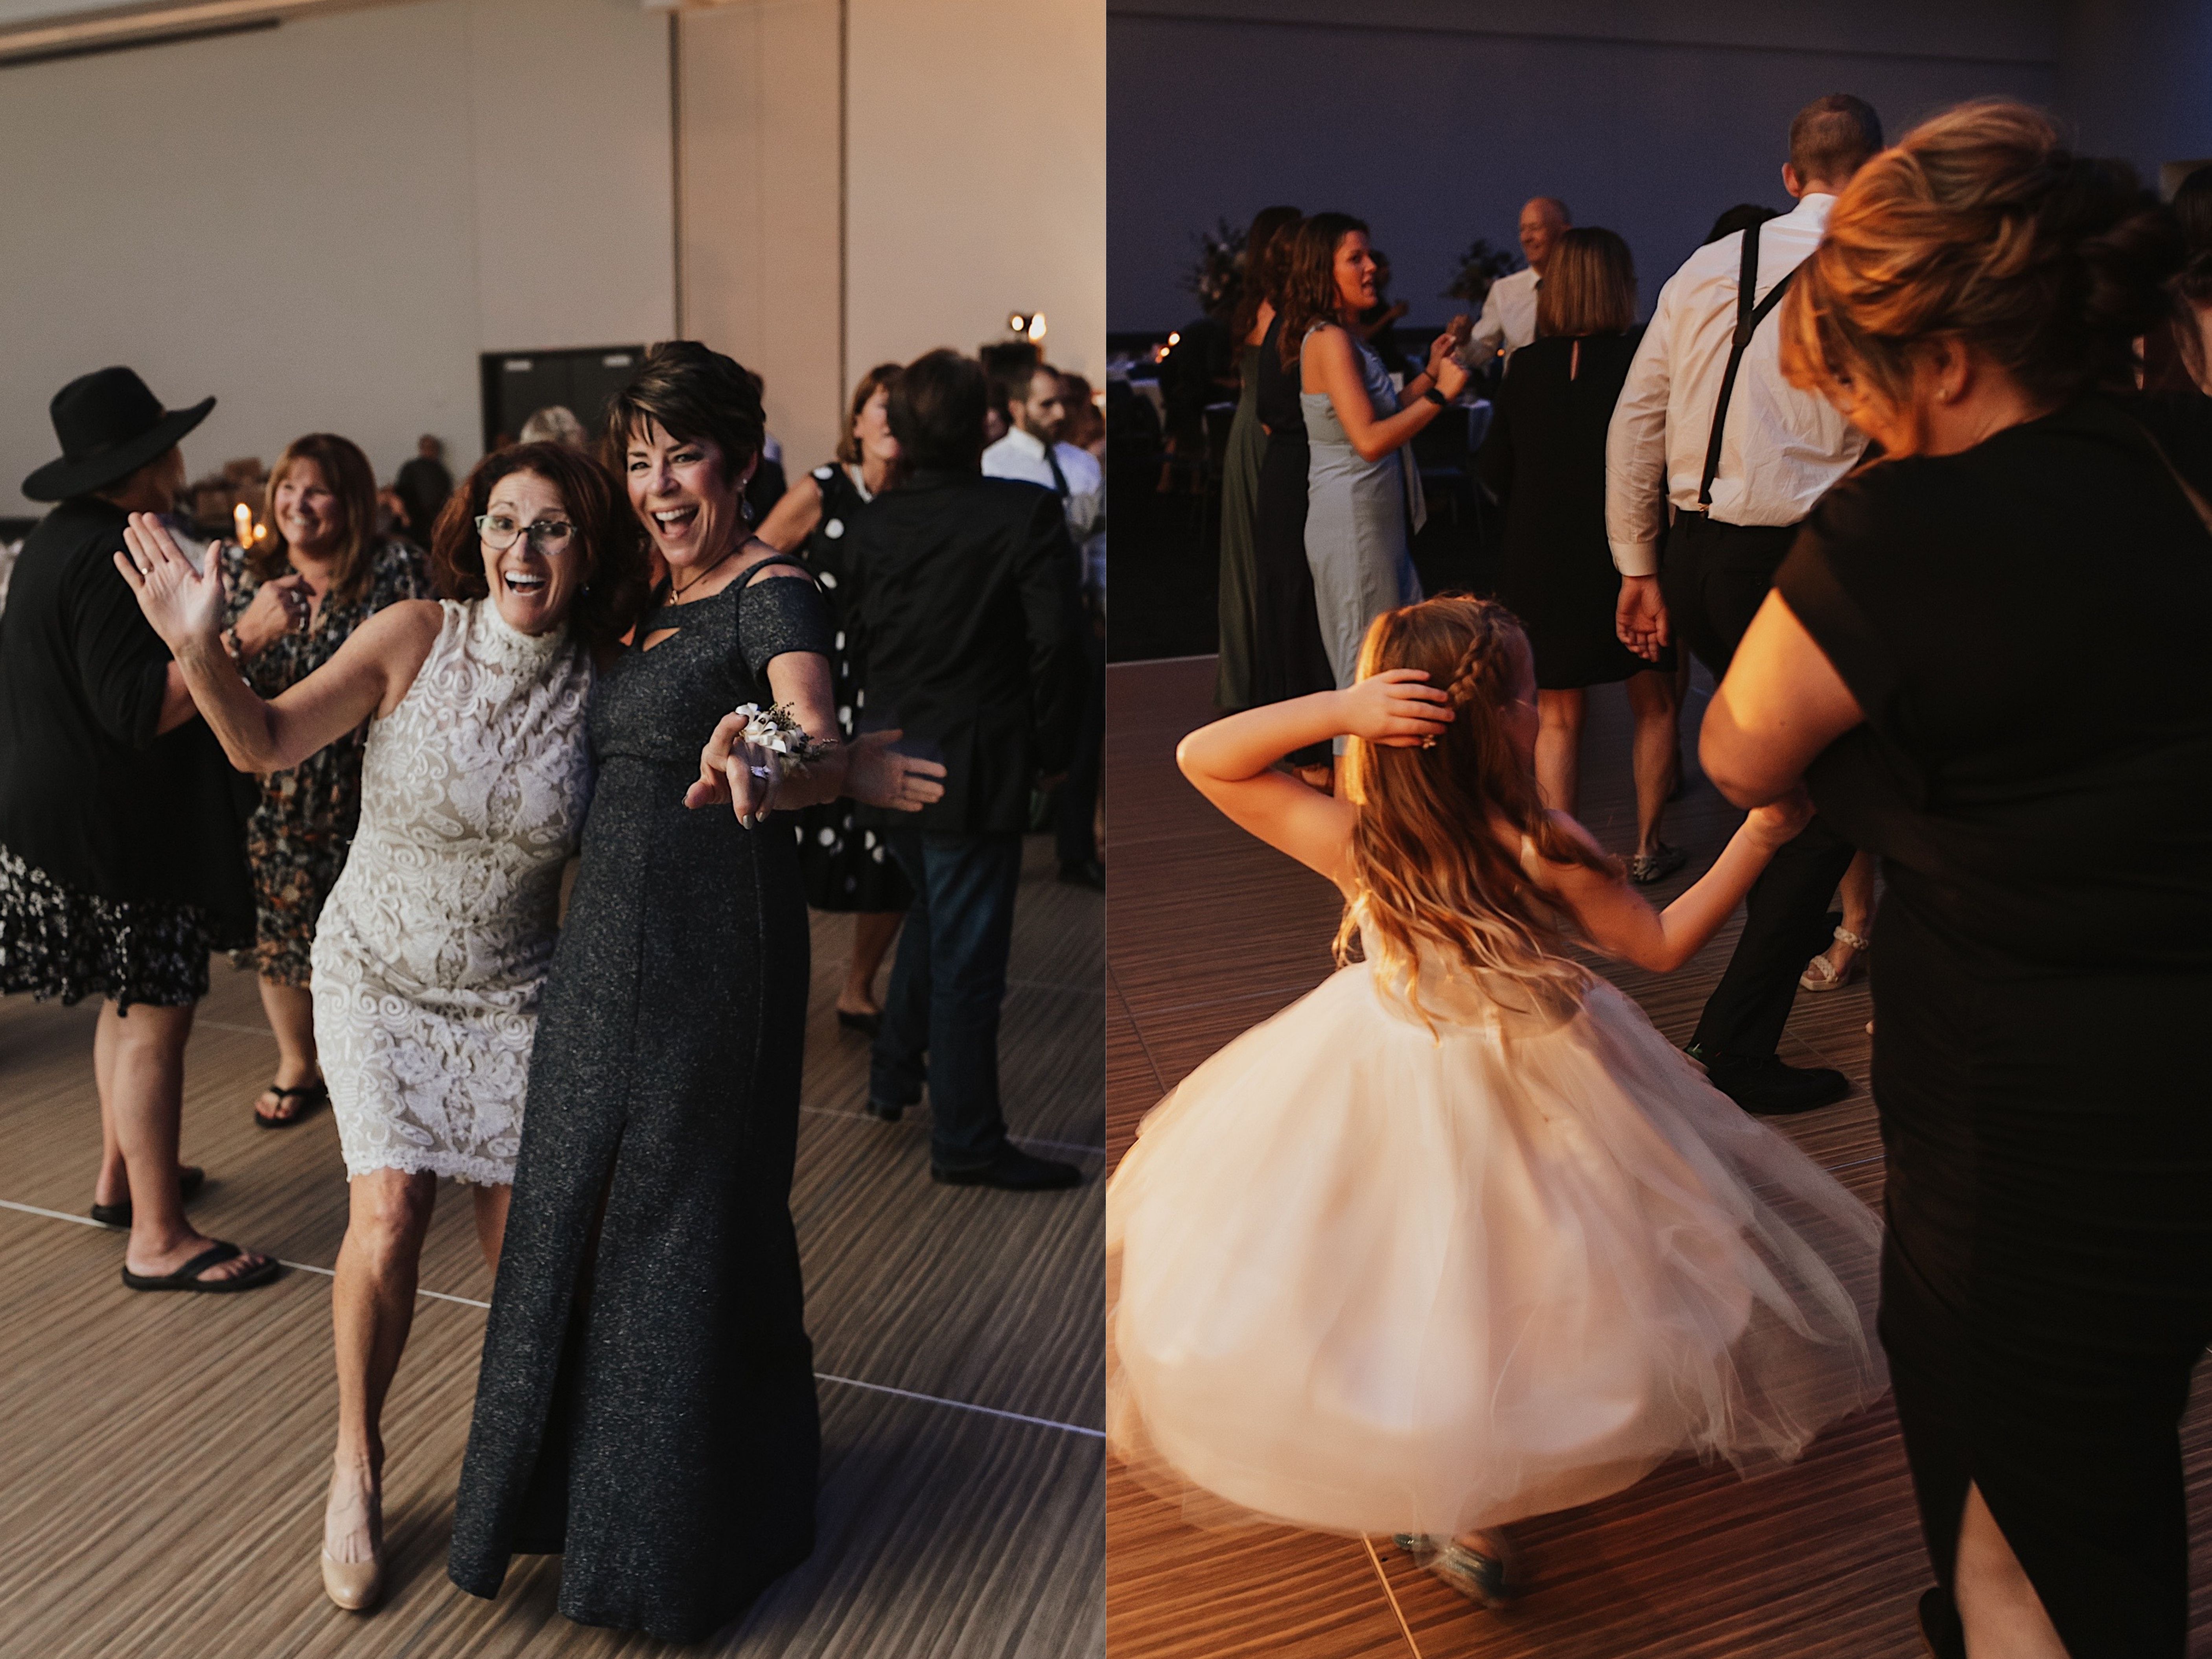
(434,946)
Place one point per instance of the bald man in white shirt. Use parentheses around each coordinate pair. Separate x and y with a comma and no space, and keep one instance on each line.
(1509,312)
(1706,423)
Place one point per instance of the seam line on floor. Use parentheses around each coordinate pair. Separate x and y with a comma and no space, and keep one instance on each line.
(472,1302)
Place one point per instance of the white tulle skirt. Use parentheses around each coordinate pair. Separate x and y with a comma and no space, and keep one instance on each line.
(1365,1278)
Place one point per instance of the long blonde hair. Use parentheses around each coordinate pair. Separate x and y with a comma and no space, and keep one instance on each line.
(1427,864)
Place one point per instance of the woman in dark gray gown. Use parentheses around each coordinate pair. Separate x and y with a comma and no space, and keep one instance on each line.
(647,1402)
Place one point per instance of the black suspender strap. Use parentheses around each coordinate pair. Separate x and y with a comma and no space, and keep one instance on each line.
(1749,316)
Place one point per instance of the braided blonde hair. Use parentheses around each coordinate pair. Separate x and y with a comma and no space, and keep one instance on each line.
(1435,854)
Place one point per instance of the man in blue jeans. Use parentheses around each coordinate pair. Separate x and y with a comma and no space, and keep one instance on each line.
(970,621)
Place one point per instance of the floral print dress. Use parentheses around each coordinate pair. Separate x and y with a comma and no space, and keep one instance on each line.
(299,833)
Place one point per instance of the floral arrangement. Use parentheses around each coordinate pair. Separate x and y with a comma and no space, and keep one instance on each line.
(776,730)
(1479,267)
(1216,272)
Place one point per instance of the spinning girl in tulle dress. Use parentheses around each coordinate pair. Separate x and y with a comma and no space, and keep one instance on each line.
(1459,1237)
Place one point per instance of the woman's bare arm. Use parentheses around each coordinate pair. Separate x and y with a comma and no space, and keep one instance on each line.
(1781,703)
(794,516)
(1328,364)
(367,675)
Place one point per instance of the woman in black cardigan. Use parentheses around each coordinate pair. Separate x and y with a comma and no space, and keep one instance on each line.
(122,855)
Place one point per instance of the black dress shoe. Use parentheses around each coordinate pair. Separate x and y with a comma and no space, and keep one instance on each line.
(1765,1087)
(885,1111)
(1013,1170)
(852,1022)
(1083,872)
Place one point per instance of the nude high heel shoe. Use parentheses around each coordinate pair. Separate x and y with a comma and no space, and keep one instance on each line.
(357,1586)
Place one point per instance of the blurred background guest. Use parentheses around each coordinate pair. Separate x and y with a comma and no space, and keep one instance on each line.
(1032,453)
(1364,499)
(1508,313)
(847,868)
(425,485)
(1545,461)
(323,564)
(1240,465)
(972,625)
(1377,324)
(766,487)
(555,424)
(1086,423)
(122,858)
(1288,658)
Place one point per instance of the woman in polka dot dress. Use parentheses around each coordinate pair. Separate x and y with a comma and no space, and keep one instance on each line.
(847,868)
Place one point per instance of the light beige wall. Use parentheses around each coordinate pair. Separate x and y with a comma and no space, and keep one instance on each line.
(325,223)
(975,176)
(758,157)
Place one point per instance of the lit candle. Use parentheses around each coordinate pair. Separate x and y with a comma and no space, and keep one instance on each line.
(242,517)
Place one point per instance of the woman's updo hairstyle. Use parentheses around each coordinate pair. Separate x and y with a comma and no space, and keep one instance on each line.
(1982,227)
(695,393)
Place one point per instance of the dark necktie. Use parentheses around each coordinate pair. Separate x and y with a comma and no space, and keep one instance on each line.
(1059,478)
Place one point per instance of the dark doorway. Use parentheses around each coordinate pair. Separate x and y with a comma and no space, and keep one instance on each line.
(518,384)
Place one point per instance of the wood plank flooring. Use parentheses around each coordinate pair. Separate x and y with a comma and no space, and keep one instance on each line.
(1207,934)
(163,1458)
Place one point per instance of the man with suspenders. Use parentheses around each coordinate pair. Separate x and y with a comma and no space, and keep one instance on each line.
(1707,426)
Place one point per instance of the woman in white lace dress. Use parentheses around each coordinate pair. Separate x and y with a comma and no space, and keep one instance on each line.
(434,946)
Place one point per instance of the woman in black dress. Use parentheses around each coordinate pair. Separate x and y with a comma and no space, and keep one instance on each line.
(1985,654)
(1545,461)
(645,1405)
(1288,657)
(847,868)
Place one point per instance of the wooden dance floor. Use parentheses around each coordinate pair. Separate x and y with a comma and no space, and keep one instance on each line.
(1209,933)
(163,1459)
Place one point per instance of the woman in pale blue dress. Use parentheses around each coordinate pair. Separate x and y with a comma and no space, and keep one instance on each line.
(1363,494)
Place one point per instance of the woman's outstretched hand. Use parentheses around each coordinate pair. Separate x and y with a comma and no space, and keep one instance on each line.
(732,769)
(185,605)
(1397,708)
(878,774)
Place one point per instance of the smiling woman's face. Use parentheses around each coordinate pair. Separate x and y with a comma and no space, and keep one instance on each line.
(308,515)
(536,579)
(677,489)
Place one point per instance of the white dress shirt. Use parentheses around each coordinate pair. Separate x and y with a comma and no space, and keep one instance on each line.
(1019,455)
(1781,447)
(1508,320)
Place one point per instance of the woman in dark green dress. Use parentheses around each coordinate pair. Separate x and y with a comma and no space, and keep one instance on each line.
(1240,465)
(645,1405)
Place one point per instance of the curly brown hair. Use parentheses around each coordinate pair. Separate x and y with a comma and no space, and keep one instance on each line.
(1310,294)
(1981,227)
(613,591)
(1430,862)
(348,476)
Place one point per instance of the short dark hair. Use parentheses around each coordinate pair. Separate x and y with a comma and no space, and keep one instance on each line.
(695,393)
(1011,366)
(1833,136)
(936,411)
(612,593)
(1590,288)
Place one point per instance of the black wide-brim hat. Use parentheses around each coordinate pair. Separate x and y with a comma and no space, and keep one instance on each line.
(109,425)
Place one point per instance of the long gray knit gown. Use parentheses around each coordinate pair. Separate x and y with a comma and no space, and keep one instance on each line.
(648,1410)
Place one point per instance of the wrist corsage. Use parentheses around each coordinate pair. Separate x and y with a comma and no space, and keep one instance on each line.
(774,730)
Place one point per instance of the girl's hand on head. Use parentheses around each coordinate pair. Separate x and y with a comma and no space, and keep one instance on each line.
(1397,708)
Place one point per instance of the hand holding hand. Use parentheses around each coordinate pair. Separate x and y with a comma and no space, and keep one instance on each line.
(878,774)
(1397,708)
(1640,618)
(184,607)
(1778,822)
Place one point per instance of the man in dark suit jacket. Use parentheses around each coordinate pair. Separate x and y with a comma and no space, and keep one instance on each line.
(970,617)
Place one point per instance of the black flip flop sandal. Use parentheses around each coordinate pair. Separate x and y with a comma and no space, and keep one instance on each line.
(189,1180)
(309,1095)
(186,1277)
